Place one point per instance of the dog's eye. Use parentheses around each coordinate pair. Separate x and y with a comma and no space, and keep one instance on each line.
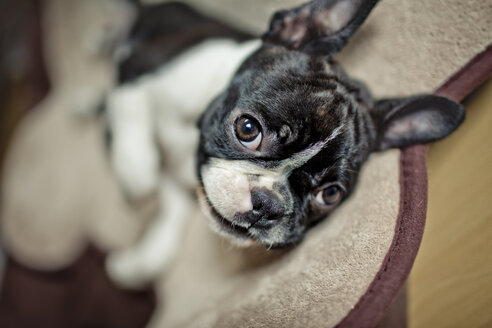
(330,195)
(248,132)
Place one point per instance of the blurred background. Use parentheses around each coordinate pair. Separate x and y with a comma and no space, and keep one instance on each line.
(451,283)
(23,77)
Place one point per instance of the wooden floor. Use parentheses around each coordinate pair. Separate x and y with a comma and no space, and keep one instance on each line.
(451,282)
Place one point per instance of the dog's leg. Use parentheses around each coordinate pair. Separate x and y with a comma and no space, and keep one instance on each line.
(140,264)
(177,93)
(134,153)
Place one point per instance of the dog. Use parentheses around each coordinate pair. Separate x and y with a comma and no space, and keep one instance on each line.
(281,142)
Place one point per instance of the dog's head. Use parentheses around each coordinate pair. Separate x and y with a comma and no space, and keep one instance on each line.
(282,146)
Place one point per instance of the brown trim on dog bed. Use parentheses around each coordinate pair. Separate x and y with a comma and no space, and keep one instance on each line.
(467,79)
(409,229)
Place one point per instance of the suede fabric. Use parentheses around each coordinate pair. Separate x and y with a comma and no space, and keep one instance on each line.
(315,284)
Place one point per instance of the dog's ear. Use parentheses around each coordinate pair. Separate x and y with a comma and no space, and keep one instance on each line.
(320,27)
(420,119)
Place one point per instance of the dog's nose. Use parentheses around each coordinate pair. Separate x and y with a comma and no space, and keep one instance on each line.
(266,205)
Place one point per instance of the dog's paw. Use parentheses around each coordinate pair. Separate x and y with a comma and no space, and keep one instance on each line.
(129,270)
(136,163)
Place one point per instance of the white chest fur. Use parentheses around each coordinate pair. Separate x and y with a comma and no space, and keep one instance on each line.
(152,121)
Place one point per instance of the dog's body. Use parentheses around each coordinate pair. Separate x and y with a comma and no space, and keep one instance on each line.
(280,146)
(153,120)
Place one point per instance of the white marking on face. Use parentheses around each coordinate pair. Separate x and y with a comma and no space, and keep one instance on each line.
(228,183)
(227,188)
(299,159)
(240,241)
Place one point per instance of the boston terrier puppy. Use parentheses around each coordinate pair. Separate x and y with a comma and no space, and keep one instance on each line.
(282,144)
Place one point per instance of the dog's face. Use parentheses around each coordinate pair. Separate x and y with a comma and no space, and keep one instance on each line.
(283,145)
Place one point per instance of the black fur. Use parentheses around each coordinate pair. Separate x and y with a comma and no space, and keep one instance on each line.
(299,95)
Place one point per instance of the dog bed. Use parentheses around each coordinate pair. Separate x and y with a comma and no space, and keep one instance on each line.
(59,195)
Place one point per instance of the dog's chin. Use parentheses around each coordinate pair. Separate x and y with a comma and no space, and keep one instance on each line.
(237,235)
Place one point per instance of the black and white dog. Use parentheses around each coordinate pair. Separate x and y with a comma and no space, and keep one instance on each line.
(281,143)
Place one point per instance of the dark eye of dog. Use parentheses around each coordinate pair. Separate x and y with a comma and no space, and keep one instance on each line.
(248,132)
(329,196)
